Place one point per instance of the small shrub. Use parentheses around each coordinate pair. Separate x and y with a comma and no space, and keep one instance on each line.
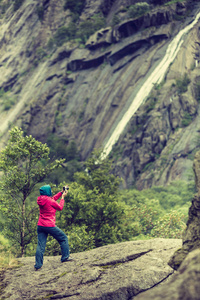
(50,44)
(88,27)
(61,36)
(187,119)
(58,118)
(115,20)
(80,239)
(76,6)
(64,34)
(182,83)
(40,12)
(40,53)
(138,9)
(7,99)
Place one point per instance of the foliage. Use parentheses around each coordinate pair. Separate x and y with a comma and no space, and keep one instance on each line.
(80,238)
(64,34)
(182,83)
(88,27)
(40,12)
(138,9)
(24,164)
(177,194)
(93,203)
(61,36)
(115,20)
(170,225)
(76,6)
(187,119)
(72,31)
(7,100)
(159,211)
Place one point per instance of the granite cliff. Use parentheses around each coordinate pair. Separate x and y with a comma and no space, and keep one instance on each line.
(79,91)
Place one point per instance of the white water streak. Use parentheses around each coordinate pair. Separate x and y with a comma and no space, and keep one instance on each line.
(156,77)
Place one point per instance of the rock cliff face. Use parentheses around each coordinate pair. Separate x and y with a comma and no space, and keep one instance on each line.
(81,94)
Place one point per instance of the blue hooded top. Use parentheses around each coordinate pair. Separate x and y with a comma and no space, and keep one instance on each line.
(46,190)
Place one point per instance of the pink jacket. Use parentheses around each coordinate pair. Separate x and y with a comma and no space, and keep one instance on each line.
(48,207)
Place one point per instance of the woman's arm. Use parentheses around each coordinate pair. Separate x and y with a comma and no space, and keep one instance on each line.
(57,196)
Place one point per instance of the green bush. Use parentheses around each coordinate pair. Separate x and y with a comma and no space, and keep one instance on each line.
(170,225)
(88,27)
(64,34)
(138,9)
(61,36)
(76,6)
(7,100)
(115,20)
(182,83)
(40,12)
(187,119)
(80,238)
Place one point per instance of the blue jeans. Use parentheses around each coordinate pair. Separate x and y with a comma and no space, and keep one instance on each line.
(59,235)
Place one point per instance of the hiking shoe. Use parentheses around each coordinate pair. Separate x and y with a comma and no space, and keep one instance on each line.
(37,269)
(67,259)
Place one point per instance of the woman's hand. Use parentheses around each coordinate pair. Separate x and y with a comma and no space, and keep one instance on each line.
(65,192)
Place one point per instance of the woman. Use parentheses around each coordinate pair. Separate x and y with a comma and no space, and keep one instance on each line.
(47,224)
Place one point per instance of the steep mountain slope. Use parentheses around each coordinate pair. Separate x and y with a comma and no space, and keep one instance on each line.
(80,92)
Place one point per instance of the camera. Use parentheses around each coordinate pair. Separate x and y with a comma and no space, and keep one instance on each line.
(65,188)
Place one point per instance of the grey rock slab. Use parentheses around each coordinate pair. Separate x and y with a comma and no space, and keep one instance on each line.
(183,285)
(118,271)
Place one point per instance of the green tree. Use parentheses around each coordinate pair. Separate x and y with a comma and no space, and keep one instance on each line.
(93,203)
(24,163)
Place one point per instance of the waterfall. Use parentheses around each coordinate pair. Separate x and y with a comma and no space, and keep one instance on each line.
(156,77)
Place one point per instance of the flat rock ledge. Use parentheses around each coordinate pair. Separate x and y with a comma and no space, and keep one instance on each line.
(119,271)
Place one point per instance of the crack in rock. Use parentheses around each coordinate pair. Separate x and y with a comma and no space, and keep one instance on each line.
(64,296)
(123,260)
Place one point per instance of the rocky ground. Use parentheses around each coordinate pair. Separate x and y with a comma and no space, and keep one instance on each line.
(119,271)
